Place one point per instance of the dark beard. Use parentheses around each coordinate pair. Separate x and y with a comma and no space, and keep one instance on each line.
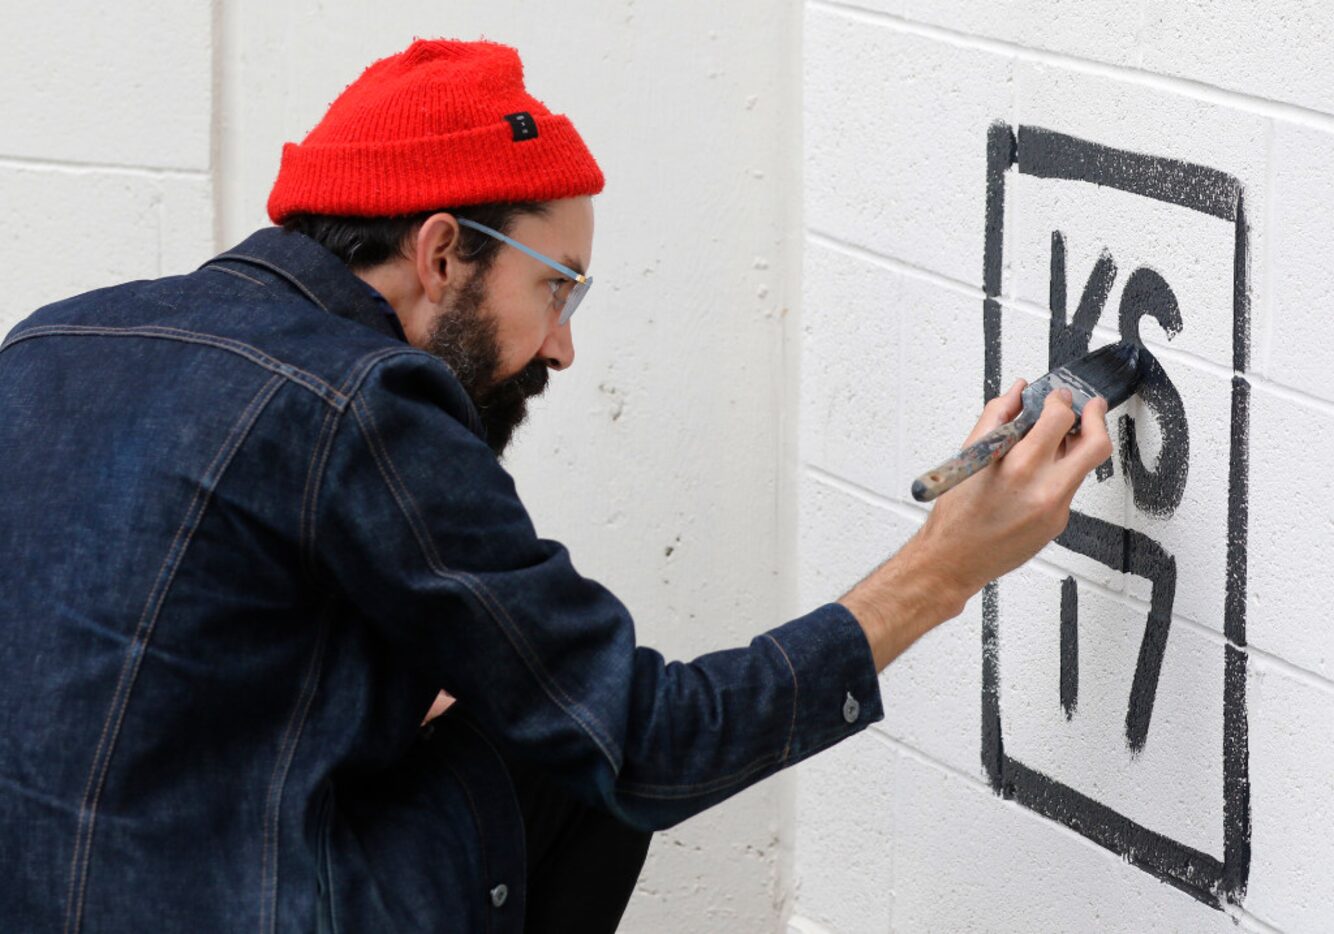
(465,339)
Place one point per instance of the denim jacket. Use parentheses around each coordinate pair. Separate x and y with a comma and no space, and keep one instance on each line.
(246,534)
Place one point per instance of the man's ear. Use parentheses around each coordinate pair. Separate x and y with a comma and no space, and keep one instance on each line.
(437,254)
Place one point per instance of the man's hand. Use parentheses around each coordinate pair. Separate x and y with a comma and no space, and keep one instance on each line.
(985,527)
(443,701)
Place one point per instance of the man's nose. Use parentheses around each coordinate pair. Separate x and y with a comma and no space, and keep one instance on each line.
(558,349)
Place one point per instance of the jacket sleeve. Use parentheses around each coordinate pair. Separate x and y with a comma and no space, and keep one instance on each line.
(423,530)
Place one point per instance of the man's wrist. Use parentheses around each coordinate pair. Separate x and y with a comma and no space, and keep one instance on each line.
(907,596)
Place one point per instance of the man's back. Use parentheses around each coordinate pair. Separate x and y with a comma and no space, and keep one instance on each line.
(163,633)
(248,541)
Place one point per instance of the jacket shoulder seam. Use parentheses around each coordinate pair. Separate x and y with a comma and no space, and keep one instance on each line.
(295,374)
(81,858)
(495,609)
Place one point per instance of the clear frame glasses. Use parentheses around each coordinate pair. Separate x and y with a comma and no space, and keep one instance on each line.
(577,282)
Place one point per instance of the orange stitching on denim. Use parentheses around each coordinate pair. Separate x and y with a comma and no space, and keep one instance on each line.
(792,730)
(235,272)
(268,895)
(670,792)
(673,792)
(515,637)
(352,382)
(568,704)
(126,667)
(256,356)
(310,495)
(476,819)
(483,595)
(274,268)
(139,644)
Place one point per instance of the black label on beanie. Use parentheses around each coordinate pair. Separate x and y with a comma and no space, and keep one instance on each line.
(523,125)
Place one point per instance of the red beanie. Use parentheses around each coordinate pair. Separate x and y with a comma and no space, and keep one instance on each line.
(442,124)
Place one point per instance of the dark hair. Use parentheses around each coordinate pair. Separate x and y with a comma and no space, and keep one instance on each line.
(363,242)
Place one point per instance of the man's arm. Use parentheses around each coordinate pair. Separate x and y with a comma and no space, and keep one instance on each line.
(985,527)
(419,527)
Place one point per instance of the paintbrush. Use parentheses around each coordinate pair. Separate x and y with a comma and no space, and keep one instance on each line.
(1111,372)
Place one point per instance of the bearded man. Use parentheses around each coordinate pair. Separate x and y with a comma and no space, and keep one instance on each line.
(255,523)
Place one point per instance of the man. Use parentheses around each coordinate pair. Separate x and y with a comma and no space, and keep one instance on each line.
(254,522)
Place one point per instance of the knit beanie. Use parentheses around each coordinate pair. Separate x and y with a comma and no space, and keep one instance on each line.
(441,124)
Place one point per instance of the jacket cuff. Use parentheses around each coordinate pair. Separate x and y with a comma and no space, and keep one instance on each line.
(835,689)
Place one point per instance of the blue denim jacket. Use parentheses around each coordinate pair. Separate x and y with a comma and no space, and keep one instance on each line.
(246,533)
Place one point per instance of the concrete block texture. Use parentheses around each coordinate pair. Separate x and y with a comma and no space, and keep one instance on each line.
(67,231)
(895,139)
(126,84)
(965,861)
(788,327)
(1101,30)
(1292,514)
(882,351)
(1269,51)
(1228,295)
(851,340)
(845,841)
(1299,341)
(1292,797)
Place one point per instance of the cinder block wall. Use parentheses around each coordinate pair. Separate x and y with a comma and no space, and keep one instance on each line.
(105,136)
(1134,732)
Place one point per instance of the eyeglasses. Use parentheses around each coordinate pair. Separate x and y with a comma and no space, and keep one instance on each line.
(574,288)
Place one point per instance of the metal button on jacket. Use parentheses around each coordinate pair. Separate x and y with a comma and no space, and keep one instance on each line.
(851,709)
(499,894)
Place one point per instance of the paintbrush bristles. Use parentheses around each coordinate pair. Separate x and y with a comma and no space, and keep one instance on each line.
(1113,371)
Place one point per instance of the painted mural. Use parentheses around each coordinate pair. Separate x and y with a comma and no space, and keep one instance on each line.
(1160,536)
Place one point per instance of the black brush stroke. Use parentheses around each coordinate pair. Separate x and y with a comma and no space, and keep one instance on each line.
(1068,341)
(1000,156)
(1198,874)
(1190,870)
(1048,154)
(1133,552)
(1158,490)
(1236,741)
(1241,290)
(1069,646)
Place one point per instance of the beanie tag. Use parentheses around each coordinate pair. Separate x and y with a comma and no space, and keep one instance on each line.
(523,126)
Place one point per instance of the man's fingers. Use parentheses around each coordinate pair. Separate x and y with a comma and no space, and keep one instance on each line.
(1053,425)
(998,411)
(1092,445)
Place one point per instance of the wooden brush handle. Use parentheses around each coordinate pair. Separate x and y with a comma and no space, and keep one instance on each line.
(990,447)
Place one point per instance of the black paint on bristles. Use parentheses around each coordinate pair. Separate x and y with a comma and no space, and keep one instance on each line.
(1112,370)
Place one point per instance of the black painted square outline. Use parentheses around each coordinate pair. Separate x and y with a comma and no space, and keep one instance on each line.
(1045,153)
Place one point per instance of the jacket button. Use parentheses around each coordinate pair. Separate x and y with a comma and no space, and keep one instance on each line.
(851,709)
(499,894)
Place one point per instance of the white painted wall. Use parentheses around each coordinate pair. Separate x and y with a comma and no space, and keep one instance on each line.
(105,134)
(899,829)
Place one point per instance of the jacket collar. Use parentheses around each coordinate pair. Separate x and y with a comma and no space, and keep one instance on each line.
(316,273)
(325,280)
